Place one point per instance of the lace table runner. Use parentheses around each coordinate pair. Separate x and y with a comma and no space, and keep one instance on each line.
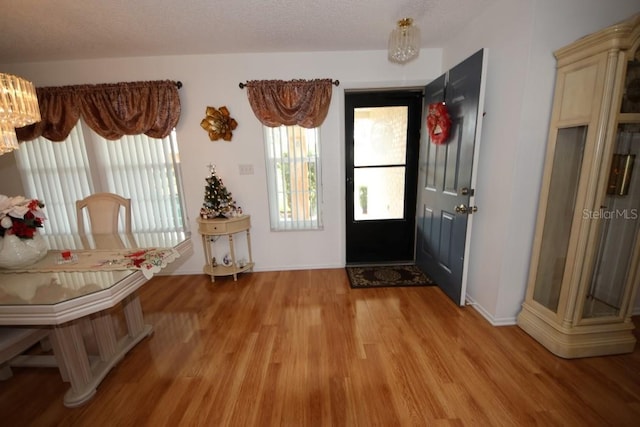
(148,260)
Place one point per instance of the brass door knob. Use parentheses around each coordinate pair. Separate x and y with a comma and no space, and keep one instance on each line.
(464,209)
(461,209)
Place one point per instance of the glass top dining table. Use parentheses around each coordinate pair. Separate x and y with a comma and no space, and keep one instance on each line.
(81,279)
(91,268)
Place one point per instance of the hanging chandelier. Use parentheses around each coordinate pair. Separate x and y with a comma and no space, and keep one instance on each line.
(18,107)
(404,42)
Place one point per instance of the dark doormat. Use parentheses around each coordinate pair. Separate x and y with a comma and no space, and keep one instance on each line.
(387,275)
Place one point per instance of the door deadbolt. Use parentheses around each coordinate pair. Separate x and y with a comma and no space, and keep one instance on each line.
(466,209)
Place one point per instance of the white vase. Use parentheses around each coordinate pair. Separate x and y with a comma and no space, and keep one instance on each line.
(18,253)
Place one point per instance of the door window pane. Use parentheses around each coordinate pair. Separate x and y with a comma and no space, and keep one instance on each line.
(380,152)
(380,136)
(378,193)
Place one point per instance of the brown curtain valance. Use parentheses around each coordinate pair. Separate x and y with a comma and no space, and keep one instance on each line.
(111,110)
(295,102)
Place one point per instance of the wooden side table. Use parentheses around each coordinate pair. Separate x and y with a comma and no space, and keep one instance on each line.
(211,230)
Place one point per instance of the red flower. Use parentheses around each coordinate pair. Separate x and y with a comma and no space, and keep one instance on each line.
(22,229)
(136,254)
(18,222)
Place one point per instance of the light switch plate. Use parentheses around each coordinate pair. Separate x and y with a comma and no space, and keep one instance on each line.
(246,169)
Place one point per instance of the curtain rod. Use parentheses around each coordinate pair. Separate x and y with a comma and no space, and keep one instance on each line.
(179,84)
(334,82)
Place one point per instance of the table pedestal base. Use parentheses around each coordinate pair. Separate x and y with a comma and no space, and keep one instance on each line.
(76,366)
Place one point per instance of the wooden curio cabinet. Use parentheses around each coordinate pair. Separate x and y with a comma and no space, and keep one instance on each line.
(585,263)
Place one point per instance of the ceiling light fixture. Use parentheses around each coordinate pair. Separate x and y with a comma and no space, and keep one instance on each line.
(404,42)
(18,107)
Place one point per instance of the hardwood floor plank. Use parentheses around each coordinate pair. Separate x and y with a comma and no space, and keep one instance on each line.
(301,348)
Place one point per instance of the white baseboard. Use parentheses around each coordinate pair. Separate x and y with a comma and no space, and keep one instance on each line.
(494,321)
(198,270)
(300,267)
(506,321)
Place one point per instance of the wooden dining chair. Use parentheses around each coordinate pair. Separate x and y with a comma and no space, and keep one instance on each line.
(15,341)
(103,213)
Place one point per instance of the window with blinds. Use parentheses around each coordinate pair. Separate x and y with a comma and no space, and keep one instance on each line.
(144,169)
(293,177)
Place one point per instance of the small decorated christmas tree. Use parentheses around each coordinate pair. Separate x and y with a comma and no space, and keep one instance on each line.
(218,202)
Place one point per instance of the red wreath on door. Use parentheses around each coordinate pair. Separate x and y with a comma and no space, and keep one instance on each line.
(438,122)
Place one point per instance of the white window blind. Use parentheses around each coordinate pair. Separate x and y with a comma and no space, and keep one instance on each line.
(57,173)
(144,169)
(293,177)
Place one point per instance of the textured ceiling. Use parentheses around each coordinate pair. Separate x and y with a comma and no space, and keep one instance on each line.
(42,30)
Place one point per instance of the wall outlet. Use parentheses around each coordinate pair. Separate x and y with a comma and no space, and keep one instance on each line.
(246,169)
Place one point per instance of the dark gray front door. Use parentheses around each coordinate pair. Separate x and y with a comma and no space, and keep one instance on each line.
(445,200)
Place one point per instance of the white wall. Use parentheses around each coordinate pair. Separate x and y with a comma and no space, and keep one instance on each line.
(10,183)
(521,37)
(212,80)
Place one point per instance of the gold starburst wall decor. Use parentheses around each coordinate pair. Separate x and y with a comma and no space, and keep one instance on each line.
(219,124)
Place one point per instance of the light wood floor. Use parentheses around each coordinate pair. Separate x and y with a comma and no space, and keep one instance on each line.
(300,348)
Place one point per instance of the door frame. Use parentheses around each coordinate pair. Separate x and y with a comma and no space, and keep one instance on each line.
(412,97)
(474,176)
